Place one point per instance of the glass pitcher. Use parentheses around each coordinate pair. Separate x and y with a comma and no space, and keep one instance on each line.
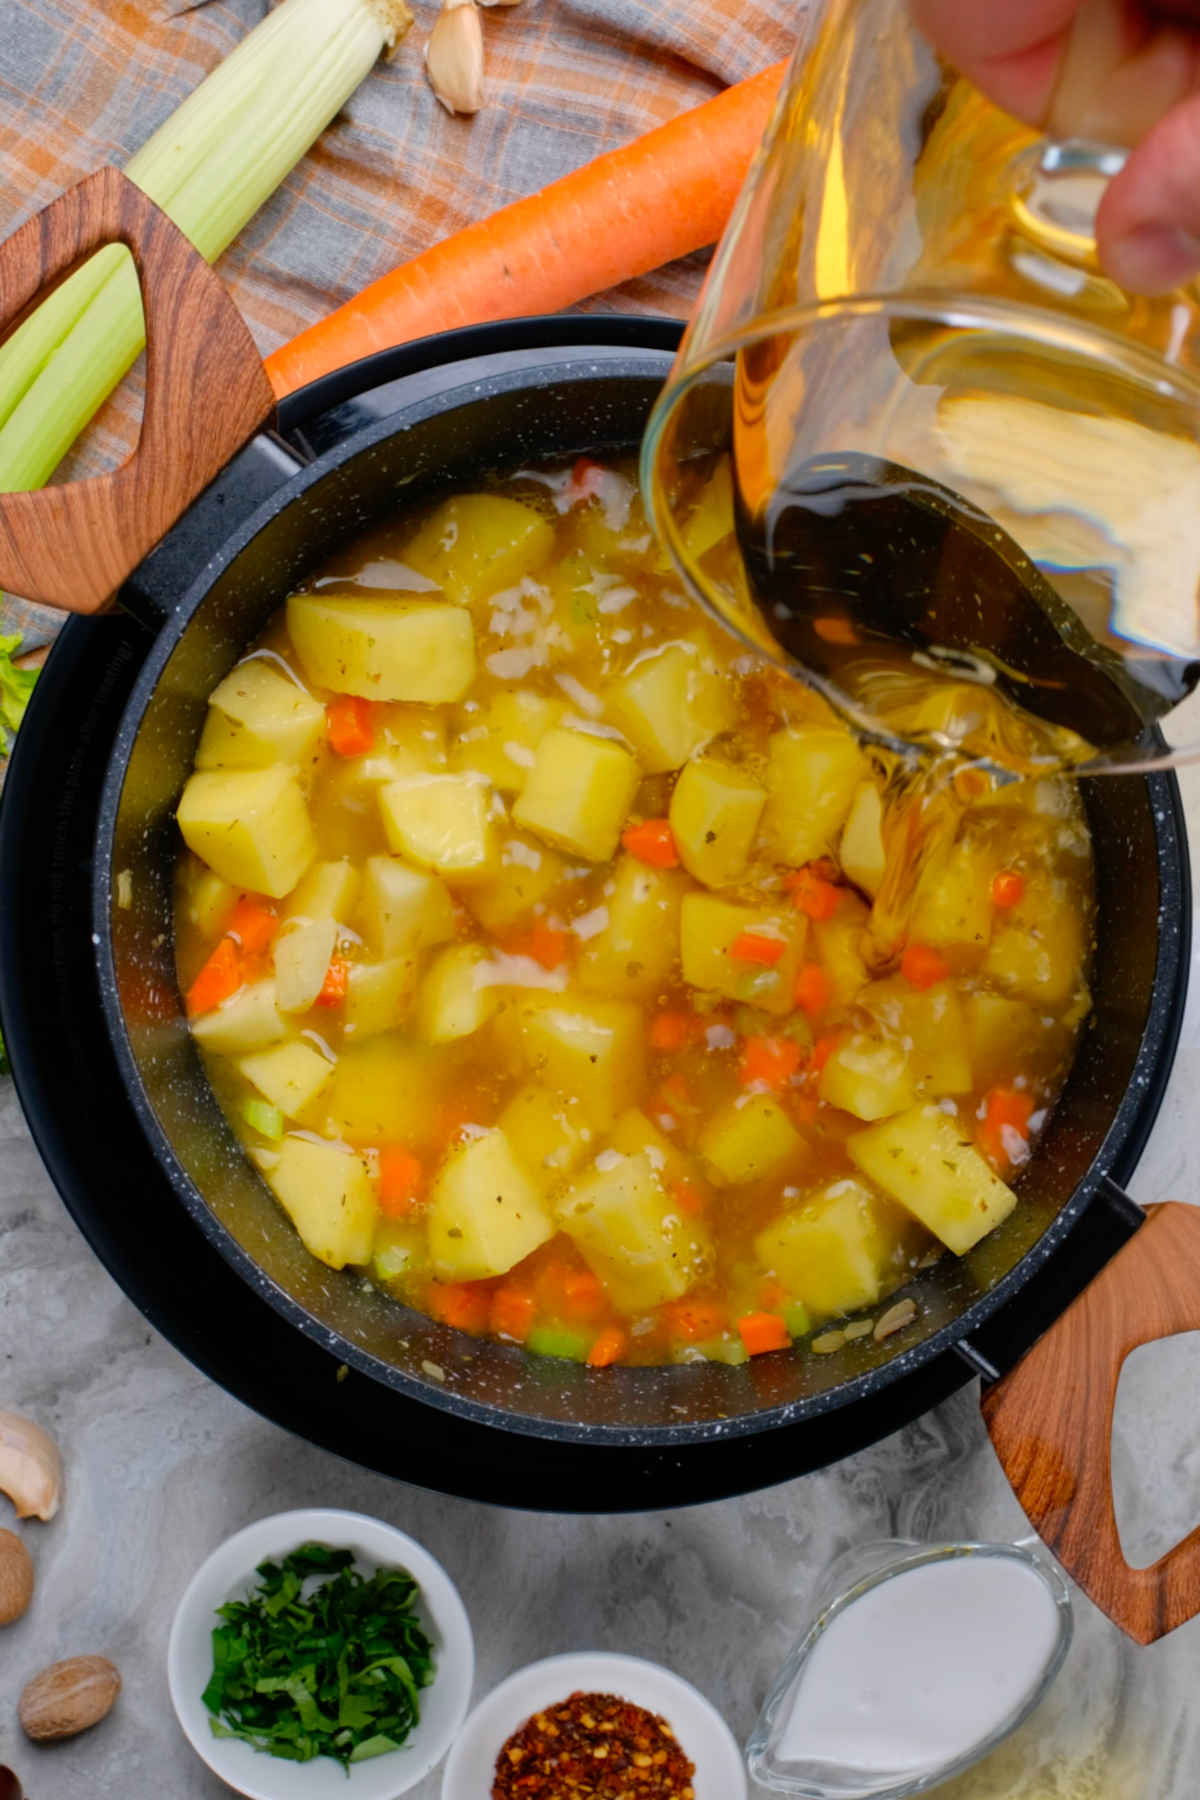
(917,448)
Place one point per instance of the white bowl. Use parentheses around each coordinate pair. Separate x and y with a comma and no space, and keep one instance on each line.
(699,1728)
(229,1574)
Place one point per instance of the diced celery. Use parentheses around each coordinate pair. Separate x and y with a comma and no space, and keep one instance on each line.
(267,1120)
(795,1317)
(556,1340)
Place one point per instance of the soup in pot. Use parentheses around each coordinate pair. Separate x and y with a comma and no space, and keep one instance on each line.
(524,924)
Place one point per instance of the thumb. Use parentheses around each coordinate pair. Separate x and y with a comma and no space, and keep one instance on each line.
(1148,223)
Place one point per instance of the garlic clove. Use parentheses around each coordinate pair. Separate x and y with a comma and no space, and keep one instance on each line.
(454,57)
(16,1580)
(68,1697)
(31,1471)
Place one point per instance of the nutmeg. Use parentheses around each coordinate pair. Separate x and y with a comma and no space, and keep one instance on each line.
(16,1580)
(68,1697)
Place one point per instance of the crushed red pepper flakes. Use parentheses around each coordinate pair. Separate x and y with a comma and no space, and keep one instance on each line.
(593,1747)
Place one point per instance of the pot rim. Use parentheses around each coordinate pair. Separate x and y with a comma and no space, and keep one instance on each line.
(1122,1142)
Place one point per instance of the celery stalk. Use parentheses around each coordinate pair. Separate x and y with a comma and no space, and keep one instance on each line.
(215,161)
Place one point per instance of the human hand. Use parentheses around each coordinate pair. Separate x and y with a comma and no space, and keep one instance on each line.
(1115,71)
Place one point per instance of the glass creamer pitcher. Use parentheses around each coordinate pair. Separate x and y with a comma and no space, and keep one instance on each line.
(918,448)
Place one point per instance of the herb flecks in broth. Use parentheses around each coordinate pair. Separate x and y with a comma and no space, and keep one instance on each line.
(526,930)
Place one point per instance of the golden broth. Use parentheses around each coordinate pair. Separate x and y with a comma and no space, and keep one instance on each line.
(524,926)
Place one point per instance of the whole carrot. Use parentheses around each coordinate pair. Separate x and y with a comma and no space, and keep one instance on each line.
(665,195)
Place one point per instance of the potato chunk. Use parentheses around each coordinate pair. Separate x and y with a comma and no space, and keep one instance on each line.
(290,1076)
(258,716)
(248,1020)
(861,851)
(302,956)
(578,793)
(403,910)
(924,1158)
(454,1002)
(813,773)
(378,995)
(501,741)
(473,545)
(715,811)
(328,891)
(383,649)
(1000,1034)
(592,1049)
(386,1089)
(548,1131)
(637,949)
(527,872)
(836,942)
(1039,950)
(485,1211)
(206,898)
(952,908)
(632,1235)
(750,1139)
(326,1192)
(250,825)
(868,1076)
(709,929)
(929,1022)
(833,1251)
(441,822)
(670,703)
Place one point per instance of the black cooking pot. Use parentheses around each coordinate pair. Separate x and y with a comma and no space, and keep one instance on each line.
(120,1106)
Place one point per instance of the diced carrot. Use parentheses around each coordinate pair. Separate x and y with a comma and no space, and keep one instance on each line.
(1008,887)
(694,1320)
(769,1061)
(921,966)
(548,945)
(803,1108)
(834,630)
(333,988)
(688,1197)
(609,1347)
(652,841)
(511,1313)
(583,1297)
(253,923)
(757,948)
(464,1304)
(822,1050)
(349,725)
(1004,1132)
(763,1331)
(813,989)
(671,1030)
(812,892)
(401,1181)
(220,977)
(772,1294)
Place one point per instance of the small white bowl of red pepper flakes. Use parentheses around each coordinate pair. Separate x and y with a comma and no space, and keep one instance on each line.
(592,1726)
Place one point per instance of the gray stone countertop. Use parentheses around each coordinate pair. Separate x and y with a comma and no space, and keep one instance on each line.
(162,1465)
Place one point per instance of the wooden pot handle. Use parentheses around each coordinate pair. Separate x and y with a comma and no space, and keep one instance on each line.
(1050,1422)
(206,394)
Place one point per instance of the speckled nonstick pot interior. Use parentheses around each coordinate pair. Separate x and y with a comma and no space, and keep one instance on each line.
(486,403)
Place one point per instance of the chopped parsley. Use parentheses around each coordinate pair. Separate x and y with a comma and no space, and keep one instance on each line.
(326,1668)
